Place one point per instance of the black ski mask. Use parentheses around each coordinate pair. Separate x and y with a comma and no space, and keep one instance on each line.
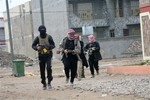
(42,31)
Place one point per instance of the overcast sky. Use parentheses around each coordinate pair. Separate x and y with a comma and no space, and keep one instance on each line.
(12,3)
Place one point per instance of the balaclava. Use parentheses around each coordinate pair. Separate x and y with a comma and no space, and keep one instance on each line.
(42,30)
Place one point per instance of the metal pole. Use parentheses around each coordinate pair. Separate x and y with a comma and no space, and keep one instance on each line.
(42,14)
(9,29)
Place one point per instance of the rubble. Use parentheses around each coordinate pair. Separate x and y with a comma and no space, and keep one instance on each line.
(5,59)
(137,85)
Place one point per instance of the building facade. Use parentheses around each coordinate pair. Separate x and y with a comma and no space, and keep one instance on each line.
(55,19)
(109,18)
(21,29)
(115,23)
(2,34)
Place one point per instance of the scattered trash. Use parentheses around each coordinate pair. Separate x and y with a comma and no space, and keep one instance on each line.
(104,95)
(29,74)
(1,76)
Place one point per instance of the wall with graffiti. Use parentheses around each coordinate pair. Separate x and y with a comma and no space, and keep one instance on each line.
(145,27)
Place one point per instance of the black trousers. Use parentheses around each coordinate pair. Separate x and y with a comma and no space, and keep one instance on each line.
(70,64)
(93,65)
(45,63)
(83,75)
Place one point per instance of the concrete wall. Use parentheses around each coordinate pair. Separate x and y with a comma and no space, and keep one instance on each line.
(2,34)
(145,27)
(55,17)
(119,47)
(1,22)
(22,31)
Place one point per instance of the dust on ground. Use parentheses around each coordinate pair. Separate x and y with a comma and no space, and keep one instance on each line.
(102,87)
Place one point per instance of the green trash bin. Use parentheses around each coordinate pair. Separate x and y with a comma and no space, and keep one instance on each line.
(18,67)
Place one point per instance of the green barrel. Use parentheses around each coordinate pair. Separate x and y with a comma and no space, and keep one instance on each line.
(18,67)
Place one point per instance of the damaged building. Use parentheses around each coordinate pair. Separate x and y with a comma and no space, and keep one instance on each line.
(115,23)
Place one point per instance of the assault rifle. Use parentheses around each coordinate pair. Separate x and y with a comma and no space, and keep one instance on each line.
(70,51)
(91,50)
(44,49)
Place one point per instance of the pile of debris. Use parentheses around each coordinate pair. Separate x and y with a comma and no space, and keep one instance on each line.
(6,61)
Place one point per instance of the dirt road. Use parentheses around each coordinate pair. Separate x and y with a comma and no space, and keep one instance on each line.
(30,88)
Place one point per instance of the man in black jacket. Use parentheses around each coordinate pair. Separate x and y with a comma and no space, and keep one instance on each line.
(93,49)
(44,44)
(70,48)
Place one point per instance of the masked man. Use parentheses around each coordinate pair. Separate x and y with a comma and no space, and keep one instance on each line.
(44,44)
(93,49)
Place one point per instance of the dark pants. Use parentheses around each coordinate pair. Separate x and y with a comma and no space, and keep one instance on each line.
(93,65)
(83,75)
(70,65)
(45,63)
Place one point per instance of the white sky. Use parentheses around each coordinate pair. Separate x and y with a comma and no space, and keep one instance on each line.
(12,3)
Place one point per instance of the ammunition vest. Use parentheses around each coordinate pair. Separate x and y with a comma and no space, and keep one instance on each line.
(45,43)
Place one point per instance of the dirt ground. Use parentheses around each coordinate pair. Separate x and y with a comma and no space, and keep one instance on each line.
(29,87)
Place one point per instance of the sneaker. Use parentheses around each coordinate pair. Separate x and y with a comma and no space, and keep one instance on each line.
(76,76)
(44,86)
(92,76)
(97,72)
(67,80)
(49,86)
(79,79)
(71,84)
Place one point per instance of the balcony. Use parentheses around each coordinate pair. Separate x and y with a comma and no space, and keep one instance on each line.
(133,20)
(76,22)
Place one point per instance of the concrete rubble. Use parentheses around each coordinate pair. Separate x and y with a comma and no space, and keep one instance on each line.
(5,59)
(130,84)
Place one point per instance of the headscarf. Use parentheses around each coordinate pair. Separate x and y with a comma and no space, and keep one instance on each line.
(77,36)
(91,38)
(71,34)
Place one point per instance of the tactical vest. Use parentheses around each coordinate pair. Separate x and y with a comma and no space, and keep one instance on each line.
(44,43)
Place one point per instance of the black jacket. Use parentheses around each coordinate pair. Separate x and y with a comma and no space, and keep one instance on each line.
(93,53)
(82,55)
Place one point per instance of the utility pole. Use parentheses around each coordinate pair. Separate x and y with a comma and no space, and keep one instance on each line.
(42,14)
(9,30)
